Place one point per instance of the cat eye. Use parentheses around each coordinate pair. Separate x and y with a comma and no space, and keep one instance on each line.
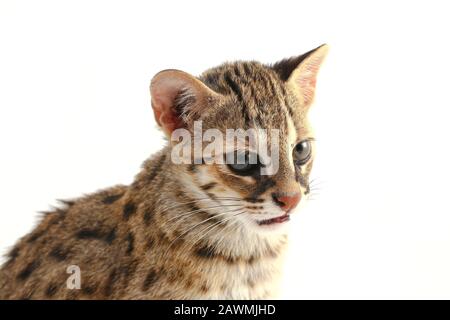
(248,167)
(302,152)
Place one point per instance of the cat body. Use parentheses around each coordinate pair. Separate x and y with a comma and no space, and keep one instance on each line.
(184,231)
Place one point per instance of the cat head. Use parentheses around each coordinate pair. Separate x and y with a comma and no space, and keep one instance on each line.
(269,101)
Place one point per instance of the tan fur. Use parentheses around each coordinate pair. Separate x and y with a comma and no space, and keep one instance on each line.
(171,234)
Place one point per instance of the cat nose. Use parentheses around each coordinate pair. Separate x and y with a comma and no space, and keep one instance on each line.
(287,202)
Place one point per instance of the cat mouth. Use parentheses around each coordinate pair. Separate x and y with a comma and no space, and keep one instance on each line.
(280,219)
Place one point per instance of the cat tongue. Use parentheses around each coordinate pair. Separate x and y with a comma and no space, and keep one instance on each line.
(279,219)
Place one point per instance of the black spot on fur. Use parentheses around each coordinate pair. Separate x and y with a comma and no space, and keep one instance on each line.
(208,186)
(128,210)
(130,240)
(88,290)
(247,70)
(233,86)
(28,270)
(205,252)
(35,235)
(89,234)
(193,207)
(179,194)
(254,207)
(211,195)
(112,198)
(111,236)
(211,80)
(254,200)
(251,260)
(192,168)
(112,278)
(204,288)
(51,290)
(97,234)
(237,72)
(200,212)
(12,255)
(150,279)
(262,187)
(119,275)
(148,214)
(59,253)
(127,270)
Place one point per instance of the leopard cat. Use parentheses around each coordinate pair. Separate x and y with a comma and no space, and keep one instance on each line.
(191,230)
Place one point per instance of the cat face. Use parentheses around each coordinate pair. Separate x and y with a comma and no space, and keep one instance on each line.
(272,103)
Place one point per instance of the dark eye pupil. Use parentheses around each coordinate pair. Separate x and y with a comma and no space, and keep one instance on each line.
(246,168)
(300,147)
(242,166)
(302,152)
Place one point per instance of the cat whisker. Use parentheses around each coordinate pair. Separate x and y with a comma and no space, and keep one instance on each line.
(231,229)
(198,200)
(196,225)
(189,213)
(317,185)
(316,182)
(212,227)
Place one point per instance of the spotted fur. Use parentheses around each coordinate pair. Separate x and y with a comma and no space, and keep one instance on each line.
(179,231)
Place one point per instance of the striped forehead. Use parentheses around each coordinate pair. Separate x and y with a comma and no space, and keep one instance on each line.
(256,90)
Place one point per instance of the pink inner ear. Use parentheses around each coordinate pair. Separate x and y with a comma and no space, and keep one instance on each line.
(165,115)
(164,93)
(170,122)
(307,78)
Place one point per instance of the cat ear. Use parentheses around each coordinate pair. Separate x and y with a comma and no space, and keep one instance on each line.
(178,98)
(301,72)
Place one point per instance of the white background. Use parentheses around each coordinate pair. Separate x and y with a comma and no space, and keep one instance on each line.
(75,116)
